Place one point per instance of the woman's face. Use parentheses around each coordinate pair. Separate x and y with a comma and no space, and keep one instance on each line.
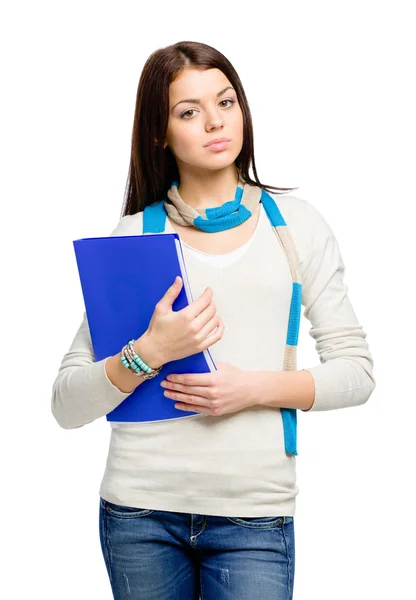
(192,124)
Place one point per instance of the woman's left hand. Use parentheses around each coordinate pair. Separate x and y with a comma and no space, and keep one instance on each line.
(226,390)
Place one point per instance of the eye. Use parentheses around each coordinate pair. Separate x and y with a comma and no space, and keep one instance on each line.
(228,100)
(191,110)
(186,112)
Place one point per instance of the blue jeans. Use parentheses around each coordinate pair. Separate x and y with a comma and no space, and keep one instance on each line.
(161,555)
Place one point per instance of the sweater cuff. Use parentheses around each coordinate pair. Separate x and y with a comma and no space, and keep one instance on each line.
(106,388)
(322,381)
(339,384)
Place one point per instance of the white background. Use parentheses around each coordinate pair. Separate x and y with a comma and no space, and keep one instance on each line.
(330,87)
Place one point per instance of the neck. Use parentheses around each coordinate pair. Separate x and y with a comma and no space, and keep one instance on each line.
(210,190)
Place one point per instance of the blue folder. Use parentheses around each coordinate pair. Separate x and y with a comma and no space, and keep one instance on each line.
(122,278)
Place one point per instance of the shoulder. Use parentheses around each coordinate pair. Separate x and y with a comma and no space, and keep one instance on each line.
(302,216)
(129,225)
(306,224)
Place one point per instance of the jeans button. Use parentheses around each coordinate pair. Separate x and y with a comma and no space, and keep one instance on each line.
(281,520)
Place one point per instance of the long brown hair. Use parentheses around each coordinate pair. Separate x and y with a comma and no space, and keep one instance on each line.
(153,168)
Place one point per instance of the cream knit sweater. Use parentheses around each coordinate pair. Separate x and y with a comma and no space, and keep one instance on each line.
(235,464)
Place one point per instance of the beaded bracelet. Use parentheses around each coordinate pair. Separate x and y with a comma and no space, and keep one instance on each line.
(132,361)
(128,361)
(130,355)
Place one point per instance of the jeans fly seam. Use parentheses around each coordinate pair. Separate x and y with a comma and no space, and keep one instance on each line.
(193,537)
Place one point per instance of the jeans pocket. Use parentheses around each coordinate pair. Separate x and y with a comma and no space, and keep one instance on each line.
(125,512)
(260,522)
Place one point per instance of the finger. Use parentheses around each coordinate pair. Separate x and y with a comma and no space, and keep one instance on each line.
(189,390)
(187,398)
(187,408)
(205,317)
(199,379)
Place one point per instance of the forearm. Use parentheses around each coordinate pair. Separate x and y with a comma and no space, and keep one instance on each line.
(283,389)
(123,378)
(85,390)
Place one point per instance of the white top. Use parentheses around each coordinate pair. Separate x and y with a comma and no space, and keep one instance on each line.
(221,260)
(234,464)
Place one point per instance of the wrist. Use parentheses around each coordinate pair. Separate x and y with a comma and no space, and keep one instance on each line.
(253,382)
(148,351)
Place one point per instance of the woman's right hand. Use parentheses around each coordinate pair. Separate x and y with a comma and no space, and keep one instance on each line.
(178,334)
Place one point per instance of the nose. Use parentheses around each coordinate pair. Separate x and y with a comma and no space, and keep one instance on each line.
(215,123)
(214,120)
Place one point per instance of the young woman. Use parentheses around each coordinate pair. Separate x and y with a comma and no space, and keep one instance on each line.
(204,506)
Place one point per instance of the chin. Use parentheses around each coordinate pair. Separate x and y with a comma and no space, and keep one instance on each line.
(218,166)
(224,159)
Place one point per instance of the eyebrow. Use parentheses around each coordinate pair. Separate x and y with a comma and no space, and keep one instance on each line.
(197,101)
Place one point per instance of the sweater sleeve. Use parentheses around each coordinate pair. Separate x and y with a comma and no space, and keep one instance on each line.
(345,376)
(82,391)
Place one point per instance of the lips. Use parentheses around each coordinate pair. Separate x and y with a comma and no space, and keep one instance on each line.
(217,141)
